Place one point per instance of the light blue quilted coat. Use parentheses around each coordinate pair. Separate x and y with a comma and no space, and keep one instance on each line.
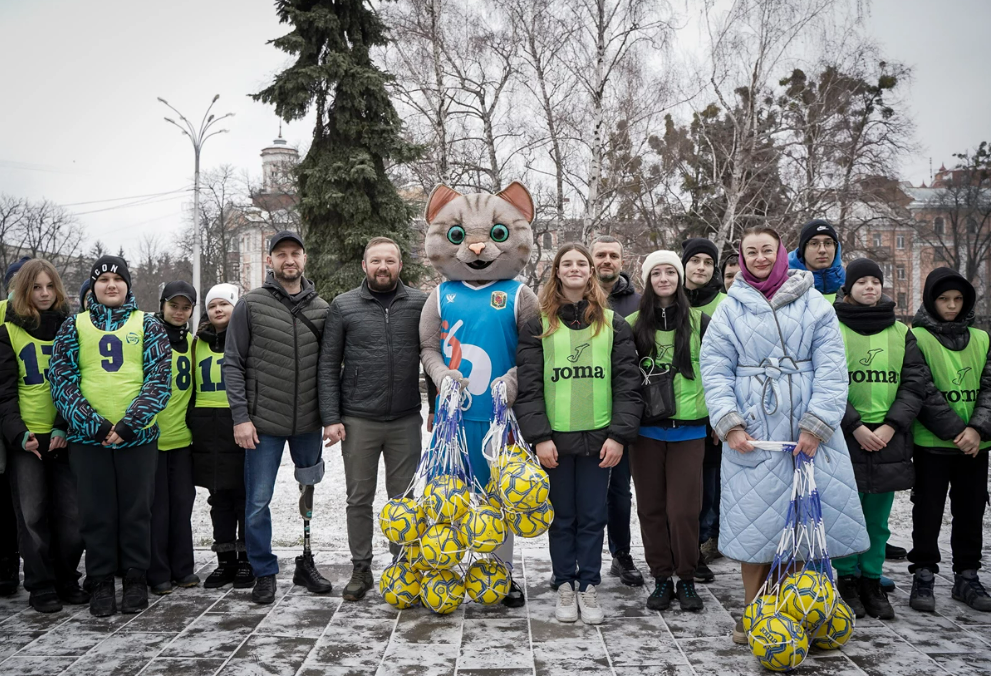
(779,368)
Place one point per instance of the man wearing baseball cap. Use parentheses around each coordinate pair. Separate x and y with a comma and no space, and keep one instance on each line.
(270,371)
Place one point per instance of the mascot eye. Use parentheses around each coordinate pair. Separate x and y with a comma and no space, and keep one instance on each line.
(456,235)
(499,233)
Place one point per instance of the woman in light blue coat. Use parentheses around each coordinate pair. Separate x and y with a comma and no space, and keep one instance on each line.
(774,369)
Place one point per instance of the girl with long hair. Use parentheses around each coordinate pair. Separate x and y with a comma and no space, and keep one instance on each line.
(666,460)
(41,481)
(578,405)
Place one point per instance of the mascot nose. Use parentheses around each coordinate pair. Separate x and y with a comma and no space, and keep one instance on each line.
(477,247)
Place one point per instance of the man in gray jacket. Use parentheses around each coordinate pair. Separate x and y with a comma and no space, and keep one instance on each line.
(370,393)
(270,374)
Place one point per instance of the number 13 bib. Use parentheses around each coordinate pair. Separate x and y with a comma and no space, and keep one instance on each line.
(111,364)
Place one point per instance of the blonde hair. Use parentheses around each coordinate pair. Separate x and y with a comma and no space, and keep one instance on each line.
(552,297)
(24,284)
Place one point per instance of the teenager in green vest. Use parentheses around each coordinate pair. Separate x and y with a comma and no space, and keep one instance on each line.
(111,375)
(952,436)
(44,490)
(578,405)
(171,513)
(218,462)
(704,289)
(888,379)
(666,459)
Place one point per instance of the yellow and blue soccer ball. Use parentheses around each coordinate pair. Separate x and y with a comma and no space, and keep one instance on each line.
(758,608)
(400,586)
(516,452)
(778,642)
(531,524)
(487,581)
(808,597)
(402,521)
(446,499)
(523,486)
(837,629)
(441,547)
(414,557)
(484,529)
(442,591)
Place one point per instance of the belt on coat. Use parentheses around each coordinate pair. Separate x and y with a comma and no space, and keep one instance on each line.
(771,370)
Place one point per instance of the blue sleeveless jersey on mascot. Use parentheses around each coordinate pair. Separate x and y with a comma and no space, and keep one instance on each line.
(478,338)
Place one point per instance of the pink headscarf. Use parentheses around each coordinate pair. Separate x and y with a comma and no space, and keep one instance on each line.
(773,282)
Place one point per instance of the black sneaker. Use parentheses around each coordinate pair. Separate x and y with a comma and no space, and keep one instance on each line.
(245,576)
(102,600)
(849,588)
(515,598)
(361,581)
(689,600)
(264,591)
(893,553)
(660,598)
(10,568)
(222,575)
(922,598)
(623,568)
(45,601)
(72,594)
(160,589)
(702,572)
(135,597)
(188,582)
(875,600)
(968,588)
(308,576)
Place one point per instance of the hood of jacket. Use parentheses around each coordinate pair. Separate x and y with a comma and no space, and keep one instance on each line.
(306,288)
(177,334)
(217,341)
(938,278)
(826,281)
(623,286)
(111,319)
(951,335)
(866,319)
(797,284)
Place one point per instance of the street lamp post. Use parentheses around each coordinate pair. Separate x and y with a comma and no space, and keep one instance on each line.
(198,137)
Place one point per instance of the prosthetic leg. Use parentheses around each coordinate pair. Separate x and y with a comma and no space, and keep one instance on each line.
(306,574)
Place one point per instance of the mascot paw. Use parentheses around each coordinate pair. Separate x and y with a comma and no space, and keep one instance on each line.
(455,375)
(509,384)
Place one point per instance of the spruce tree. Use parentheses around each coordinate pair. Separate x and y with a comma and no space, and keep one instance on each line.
(345,195)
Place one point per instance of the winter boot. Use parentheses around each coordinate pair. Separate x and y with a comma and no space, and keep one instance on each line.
(922,598)
(45,601)
(307,575)
(702,571)
(9,575)
(225,571)
(102,600)
(515,597)
(968,588)
(135,592)
(894,553)
(264,591)
(623,568)
(887,584)
(660,598)
(875,600)
(710,550)
(188,582)
(361,581)
(849,589)
(687,597)
(245,578)
(71,594)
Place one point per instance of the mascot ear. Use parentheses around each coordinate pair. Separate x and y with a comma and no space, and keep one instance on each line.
(439,197)
(517,195)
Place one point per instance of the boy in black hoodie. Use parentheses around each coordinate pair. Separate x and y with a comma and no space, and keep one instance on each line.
(952,436)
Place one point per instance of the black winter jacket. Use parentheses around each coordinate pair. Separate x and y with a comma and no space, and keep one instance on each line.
(889,469)
(369,366)
(624,299)
(218,462)
(531,411)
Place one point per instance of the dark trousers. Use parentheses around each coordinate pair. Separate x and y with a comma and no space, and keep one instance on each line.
(47,512)
(116,488)
(709,514)
(619,503)
(171,515)
(668,479)
(578,493)
(967,480)
(8,519)
(227,514)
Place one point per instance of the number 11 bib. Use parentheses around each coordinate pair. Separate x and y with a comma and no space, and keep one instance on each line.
(111,364)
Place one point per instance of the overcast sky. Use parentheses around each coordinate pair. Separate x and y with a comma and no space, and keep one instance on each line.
(81,122)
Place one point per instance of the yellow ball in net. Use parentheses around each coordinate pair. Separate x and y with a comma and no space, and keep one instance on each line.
(442,591)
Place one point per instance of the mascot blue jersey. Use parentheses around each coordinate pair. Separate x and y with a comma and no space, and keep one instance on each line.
(479,336)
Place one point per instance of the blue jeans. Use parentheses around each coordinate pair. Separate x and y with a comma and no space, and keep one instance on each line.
(261,466)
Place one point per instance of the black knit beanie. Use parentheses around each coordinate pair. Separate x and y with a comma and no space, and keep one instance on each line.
(697,245)
(113,264)
(862,267)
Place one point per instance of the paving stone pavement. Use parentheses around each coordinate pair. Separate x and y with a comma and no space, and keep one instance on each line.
(199,631)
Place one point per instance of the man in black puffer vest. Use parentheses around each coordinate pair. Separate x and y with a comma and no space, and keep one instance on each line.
(270,371)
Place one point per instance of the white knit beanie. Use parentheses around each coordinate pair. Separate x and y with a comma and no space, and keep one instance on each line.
(661,258)
(228,292)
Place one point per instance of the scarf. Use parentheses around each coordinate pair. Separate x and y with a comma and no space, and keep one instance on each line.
(866,319)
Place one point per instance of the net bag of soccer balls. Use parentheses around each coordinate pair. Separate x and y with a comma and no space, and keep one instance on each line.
(448,528)
(798,606)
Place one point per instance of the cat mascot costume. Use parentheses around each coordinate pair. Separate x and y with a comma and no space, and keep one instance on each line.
(471,322)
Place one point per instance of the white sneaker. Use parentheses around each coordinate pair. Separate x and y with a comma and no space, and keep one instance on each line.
(566,610)
(588,603)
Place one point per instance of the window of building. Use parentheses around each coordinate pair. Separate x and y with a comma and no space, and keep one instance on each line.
(971,225)
(900,272)
(938,225)
(886,268)
(877,239)
(900,242)
(902,300)
(939,256)
(549,241)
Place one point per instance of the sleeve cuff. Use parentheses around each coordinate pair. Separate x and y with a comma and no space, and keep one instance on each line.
(240,415)
(104,431)
(125,432)
(816,427)
(728,422)
(58,433)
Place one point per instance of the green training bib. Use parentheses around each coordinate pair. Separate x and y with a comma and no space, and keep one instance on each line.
(111,365)
(3,310)
(578,376)
(957,374)
(34,393)
(874,367)
(210,389)
(173,432)
(830,297)
(711,306)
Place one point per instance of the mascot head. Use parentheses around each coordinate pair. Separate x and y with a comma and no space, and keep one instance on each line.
(479,237)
